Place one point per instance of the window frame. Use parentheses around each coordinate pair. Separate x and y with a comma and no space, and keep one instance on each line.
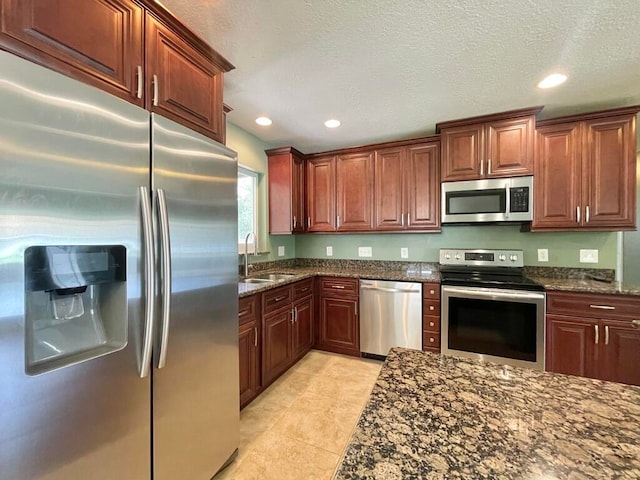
(251,246)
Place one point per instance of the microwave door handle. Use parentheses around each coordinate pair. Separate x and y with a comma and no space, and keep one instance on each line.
(507,208)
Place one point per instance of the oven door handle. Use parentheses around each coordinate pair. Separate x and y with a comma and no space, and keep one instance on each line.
(494,294)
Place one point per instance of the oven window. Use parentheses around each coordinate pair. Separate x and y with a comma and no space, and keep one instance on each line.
(491,327)
(476,201)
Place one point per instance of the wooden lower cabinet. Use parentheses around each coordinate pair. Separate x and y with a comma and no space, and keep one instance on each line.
(431,317)
(276,344)
(596,336)
(338,324)
(249,349)
(303,326)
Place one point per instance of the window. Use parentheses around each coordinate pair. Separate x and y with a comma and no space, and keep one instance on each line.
(247,208)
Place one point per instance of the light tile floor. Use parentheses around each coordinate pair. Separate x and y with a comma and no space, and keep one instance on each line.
(298,428)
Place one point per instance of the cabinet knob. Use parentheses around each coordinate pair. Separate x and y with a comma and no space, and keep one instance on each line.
(635,323)
(431,307)
(432,292)
(431,339)
(431,324)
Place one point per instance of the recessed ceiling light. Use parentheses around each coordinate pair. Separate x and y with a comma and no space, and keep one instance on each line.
(264,121)
(552,80)
(333,123)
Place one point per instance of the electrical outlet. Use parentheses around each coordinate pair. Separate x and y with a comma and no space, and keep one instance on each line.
(281,250)
(588,256)
(543,255)
(329,251)
(365,252)
(404,252)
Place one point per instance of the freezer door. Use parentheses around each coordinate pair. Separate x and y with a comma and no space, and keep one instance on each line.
(195,393)
(72,158)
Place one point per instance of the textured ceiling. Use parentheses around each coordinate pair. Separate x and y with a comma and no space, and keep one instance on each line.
(392,69)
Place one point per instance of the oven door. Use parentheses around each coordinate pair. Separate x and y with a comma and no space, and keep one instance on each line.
(504,326)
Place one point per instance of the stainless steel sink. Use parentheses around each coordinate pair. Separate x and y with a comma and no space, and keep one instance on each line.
(256,280)
(274,277)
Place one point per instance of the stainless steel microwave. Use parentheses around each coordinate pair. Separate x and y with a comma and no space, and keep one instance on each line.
(490,200)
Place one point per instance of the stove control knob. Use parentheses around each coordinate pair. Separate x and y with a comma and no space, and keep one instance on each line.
(513,258)
(457,256)
(502,257)
(447,256)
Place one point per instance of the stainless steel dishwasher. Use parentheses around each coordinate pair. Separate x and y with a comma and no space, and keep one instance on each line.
(390,316)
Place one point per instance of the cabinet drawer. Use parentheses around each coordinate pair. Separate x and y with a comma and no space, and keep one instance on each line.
(622,307)
(431,307)
(431,324)
(431,291)
(247,309)
(277,298)
(339,285)
(302,289)
(431,341)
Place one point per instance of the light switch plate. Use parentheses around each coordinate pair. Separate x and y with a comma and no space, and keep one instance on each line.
(404,252)
(329,251)
(365,252)
(543,255)
(281,250)
(588,256)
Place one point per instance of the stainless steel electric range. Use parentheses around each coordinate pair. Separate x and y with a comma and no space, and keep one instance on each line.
(490,310)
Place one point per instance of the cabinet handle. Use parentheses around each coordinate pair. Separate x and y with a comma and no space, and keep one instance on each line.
(431,307)
(402,221)
(294,222)
(338,221)
(431,339)
(295,314)
(489,167)
(140,81)
(432,324)
(308,222)
(155,90)
(606,334)
(304,289)
(635,323)
(586,214)
(432,292)
(255,336)
(578,213)
(409,219)
(292,316)
(597,333)
(341,287)
(603,307)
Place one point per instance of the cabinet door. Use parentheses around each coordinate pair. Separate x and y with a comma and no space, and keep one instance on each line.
(354,191)
(610,173)
(95,41)
(321,195)
(510,147)
(463,152)
(276,345)
(620,360)
(557,182)
(303,327)
(249,366)
(389,189)
(284,193)
(339,328)
(182,84)
(571,346)
(422,187)
(297,195)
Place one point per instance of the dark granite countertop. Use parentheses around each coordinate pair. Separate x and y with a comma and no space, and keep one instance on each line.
(434,416)
(400,275)
(588,286)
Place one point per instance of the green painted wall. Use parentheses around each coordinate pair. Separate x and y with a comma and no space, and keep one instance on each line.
(251,155)
(563,247)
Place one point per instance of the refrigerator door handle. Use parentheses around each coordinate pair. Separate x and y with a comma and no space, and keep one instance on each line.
(165,258)
(149,283)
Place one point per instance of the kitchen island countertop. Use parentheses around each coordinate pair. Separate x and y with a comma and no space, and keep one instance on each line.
(434,416)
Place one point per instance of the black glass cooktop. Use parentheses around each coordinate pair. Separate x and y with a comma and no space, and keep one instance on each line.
(491,277)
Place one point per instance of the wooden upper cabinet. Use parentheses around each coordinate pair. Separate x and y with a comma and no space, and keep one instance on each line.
(286,191)
(354,189)
(490,146)
(585,172)
(98,42)
(406,188)
(183,84)
(321,194)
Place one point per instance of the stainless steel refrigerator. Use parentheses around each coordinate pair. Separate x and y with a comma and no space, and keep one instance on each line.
(118,287)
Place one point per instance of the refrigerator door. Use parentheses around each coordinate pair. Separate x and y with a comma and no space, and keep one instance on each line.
(195,393)
(72,158)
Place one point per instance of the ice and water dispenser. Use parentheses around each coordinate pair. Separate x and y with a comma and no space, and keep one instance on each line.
(75,304)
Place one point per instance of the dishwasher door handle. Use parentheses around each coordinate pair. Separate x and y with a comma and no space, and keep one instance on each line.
(384,289)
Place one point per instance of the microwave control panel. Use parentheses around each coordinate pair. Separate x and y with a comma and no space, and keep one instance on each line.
(519,199)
